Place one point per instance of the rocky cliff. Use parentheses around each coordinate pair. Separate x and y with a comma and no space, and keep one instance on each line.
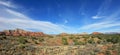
(95,33)
(20,32)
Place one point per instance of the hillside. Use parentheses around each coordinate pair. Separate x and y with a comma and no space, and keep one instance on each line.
(13,42)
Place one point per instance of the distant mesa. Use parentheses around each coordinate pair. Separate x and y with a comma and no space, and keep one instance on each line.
(63,34)
(112,33)
(95,33)
(20,32)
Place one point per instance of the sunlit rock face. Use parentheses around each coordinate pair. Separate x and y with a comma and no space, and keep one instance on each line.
(20,32)
(63,34)
(95,33)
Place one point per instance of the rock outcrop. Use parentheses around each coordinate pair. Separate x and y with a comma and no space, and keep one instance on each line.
(63,34)
(95,33)
(20,32)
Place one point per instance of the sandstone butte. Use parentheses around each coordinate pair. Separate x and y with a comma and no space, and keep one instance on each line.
(20,32)
(95,33)
(63,34)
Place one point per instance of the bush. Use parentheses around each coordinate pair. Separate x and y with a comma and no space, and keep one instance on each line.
(22,46)
(76,42)
(107,53)
(113,39)
(91,41)
(71,37)
(34,38)
(22,40)
(64,41)
(77,37)
(41,39)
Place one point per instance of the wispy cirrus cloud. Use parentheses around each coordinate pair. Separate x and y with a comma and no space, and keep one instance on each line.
(102,9)
(97,17)
(17,14)
(107,22)
(110,30)
(97,26)
(7,4)
(11,19)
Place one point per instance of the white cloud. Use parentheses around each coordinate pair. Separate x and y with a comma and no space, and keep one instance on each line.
(102,9)
(97,26)
(22,22)
(110,30)
(7,4)
(16,14)
(94,25)
(11,19)
(96,17)
(107,22)
(30,24)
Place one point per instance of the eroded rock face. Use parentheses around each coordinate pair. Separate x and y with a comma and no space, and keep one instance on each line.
(20,32)
(63,34)
(95,33)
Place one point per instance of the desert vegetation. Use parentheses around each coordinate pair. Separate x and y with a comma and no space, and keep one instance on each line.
(61,44)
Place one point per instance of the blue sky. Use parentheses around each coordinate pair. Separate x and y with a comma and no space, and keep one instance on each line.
(56,16)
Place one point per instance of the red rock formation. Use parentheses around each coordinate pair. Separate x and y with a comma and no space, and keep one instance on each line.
(63,34)
(20,32)
(95,33)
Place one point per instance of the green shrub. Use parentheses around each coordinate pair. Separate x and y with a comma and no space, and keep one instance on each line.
(113,39)
(76,42)
(34,38)
(77,37)
(71,37)
(22,40)
(41,39)
(107,53)
(91,41)
(64,41)
(36,42)
(22,46)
